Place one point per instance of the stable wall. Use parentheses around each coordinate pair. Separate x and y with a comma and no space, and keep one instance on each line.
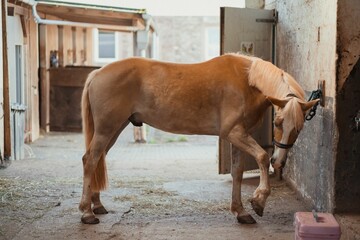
(306,48)
(320,40)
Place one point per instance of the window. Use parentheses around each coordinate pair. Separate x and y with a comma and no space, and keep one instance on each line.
(212,42)
(105,46)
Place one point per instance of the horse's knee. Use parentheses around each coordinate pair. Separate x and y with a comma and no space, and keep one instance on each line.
(89,163)
(263,159)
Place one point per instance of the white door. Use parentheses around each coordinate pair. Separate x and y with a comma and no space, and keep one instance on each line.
(17,85)
(249,31)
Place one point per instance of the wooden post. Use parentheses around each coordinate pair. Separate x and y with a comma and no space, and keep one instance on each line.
(84,59)
(6,93)
(61,45)
(73,31)
(44,80)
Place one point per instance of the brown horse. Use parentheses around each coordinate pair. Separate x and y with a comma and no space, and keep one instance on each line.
(226,96)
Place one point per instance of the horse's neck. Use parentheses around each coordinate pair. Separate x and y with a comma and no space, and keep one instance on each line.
(268,79)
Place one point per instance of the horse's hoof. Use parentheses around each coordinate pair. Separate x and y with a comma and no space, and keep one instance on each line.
(90,220)
(246,219)
(257,207)
(100,210)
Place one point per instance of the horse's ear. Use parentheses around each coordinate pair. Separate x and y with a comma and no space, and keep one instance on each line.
(307,105)
(277,102)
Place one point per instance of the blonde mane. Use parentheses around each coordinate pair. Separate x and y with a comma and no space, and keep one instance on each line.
(274,82)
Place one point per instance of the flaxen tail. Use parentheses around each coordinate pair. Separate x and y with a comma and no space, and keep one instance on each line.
(99,180)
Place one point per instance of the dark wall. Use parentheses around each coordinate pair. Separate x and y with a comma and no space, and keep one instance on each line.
(347,171)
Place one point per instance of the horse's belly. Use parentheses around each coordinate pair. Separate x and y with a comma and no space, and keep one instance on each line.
(183,124)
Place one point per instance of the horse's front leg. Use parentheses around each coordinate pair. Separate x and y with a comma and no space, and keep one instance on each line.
(237,169)
(246,143)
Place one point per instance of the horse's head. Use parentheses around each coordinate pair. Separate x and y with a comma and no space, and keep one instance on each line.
(288,122)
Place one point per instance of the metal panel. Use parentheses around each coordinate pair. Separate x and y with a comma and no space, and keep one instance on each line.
(18,129)
(248,31)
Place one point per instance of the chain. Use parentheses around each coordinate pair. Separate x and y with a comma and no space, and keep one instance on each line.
(314,95)
(357,123)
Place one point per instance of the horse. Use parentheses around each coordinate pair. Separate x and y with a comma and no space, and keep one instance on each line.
(226,96)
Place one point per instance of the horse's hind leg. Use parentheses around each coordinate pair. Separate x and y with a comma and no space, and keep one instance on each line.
(98,207)
(237,169)
(90,160)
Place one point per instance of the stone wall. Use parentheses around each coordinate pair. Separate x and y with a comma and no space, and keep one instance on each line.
(320,40)
(183,39)
(306,48)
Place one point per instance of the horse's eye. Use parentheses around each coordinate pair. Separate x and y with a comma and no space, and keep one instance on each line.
(278,122)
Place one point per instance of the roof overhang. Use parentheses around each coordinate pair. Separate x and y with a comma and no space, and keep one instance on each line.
(89,15)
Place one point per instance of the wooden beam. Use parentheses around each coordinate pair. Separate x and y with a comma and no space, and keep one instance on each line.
(78,12)
(23,26)
(19,9)
(92,16)
(6,93)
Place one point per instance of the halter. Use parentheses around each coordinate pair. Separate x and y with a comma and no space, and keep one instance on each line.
(279,144)
(282,145)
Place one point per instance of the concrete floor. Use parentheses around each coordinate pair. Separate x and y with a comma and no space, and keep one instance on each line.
(166,189)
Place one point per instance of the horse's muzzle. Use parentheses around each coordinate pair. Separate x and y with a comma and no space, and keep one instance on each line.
(277,166)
